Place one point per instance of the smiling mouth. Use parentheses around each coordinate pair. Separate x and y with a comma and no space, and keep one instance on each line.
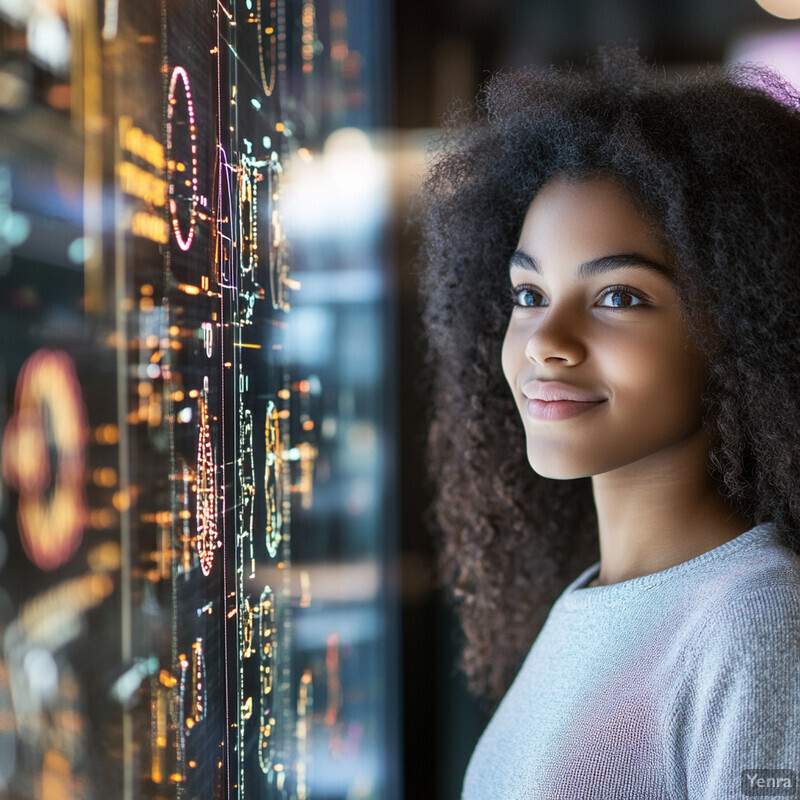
(560,409)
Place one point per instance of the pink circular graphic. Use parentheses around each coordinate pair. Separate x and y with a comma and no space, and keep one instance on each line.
(184,242)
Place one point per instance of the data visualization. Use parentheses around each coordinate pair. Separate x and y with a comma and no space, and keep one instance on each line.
(196,526)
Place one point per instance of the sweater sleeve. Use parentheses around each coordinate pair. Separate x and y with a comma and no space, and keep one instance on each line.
(736,713)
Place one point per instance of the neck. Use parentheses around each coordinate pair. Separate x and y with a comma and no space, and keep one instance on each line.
(661,511)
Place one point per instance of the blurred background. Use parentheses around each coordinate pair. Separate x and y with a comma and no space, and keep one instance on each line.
(216,580)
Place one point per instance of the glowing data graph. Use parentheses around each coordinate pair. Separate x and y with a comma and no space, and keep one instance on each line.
(171,519)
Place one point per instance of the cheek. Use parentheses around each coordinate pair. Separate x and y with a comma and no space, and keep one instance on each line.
(509,356)
(662,380)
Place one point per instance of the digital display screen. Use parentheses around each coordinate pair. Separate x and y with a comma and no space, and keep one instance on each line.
(196,521)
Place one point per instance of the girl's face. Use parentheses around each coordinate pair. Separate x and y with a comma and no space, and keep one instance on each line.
(597,312)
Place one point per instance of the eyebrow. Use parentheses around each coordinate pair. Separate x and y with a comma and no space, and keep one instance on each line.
(598,265)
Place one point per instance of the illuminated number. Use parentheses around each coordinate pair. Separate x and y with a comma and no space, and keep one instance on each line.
(247,483)
(248,626)
(223,222)
(249,287)
(208,338)
(272,481)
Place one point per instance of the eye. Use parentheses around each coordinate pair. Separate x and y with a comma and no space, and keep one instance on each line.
(623,297)
(524,296)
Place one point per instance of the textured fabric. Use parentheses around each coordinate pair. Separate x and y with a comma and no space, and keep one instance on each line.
(669,685)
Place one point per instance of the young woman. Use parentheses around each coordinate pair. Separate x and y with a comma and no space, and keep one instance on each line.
(611,297)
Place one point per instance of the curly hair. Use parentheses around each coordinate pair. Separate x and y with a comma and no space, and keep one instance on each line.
(712,162)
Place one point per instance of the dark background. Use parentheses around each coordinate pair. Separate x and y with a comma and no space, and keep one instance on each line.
(444,49)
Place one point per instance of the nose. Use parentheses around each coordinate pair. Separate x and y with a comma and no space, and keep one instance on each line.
(555,338)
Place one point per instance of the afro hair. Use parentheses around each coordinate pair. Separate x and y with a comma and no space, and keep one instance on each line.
(712,161)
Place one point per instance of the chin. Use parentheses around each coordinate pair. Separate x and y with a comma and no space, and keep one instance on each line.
(551,468)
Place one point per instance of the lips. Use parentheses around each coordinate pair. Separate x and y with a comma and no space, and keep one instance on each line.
(554,391)
(553,400)
(560,409)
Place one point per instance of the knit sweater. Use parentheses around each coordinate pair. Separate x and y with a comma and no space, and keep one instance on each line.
(684,683)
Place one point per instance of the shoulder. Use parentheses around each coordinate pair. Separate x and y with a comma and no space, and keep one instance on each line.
(744,616)
(757,616)
(736,704)
(748,643)
(756,589)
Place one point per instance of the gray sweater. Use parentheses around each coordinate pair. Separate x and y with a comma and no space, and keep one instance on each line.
(680,684)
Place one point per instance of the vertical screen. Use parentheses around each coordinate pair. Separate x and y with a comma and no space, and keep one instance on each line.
(197,532)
